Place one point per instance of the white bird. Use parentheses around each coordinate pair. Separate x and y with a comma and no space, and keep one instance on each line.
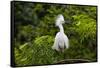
(61,40)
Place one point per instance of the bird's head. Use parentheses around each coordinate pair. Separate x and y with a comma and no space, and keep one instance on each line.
(60,20)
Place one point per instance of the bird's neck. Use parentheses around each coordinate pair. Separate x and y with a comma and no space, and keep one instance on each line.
(61,28)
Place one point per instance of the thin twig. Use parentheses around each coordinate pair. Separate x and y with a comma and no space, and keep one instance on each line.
(72,61)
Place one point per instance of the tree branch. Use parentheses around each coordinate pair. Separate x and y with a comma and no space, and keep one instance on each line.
(73,61)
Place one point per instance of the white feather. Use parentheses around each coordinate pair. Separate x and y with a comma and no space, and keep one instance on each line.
(60,20)
(61,40)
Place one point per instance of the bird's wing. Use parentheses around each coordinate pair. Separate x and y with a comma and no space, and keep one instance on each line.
(56,42)
(55,45)
(66,41)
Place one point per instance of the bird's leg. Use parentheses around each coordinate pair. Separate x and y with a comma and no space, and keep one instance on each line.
(63,54)
(56,55)
(56,51)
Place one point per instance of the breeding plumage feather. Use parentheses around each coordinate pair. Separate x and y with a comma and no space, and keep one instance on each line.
(61,40)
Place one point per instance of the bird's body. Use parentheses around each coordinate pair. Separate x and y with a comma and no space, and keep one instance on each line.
(61,40)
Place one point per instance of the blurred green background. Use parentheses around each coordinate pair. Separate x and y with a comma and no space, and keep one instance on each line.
(35,31)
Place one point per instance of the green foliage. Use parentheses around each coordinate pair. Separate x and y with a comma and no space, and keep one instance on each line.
(44,40)
(35,31)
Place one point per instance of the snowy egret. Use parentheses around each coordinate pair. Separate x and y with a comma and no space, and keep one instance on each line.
(61,40)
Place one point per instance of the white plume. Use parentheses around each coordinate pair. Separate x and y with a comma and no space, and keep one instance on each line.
(59,20)
(61,40)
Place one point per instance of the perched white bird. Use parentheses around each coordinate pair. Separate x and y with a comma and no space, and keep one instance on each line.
(61,40)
